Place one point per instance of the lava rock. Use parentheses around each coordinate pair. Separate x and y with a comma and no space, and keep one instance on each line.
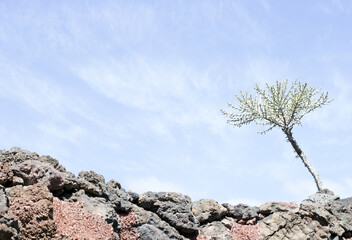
(174,208)
(241,211)
(207,210)
(216,231)
(287,225)
(17,155)
(92,177)
(146,217)
(97,205)
(320,198)
(33,207)
(3,202)
(6,174)
(272,207)
(32,171)
(150,232)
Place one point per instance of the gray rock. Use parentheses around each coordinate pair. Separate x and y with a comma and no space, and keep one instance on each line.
(228,222)
(235,211)
(90,188)
(114,184)
(320,198)
(9,221)
(272,207)
(121,200)
(71,183)
(17,155)
(216,231)
(32,171)
(241,211)
(287,225)
(207,210)
(97,205)
(250,213)
(3,202)
(91,177)
(150,232)
(6,174)
(113,187)
(174,208)
(346,201)
(134,196)
(150,218)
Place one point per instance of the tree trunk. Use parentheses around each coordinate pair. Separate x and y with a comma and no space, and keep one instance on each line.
(304,159)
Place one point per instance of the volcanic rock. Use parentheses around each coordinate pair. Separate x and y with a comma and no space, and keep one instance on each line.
(174,208)
(207,210)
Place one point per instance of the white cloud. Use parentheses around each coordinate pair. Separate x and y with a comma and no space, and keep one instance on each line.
(71,133)
(175,93)
(338,114)
(153,184)
(40,95)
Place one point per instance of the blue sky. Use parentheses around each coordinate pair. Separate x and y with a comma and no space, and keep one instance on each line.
(133,90)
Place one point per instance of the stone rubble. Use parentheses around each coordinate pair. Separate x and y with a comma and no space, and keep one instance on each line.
(39,199)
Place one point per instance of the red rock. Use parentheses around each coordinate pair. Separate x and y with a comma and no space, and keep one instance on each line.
(6,174)
(75,223)
(33,207)
(128,231)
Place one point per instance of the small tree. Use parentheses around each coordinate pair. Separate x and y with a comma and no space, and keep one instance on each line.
(282,107)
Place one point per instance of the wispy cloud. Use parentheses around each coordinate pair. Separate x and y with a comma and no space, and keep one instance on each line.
(175,92)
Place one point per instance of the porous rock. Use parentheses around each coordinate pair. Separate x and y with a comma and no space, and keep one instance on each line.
(33,207)
(150,232)
(147,217)
(272,207)
(8,227)
(17,155)
(33,171)
(174,208)
(207,210)
(287,225)
(241,211)
(215,231)
(92,177)
(26,212)
(6,174)
(74,222)
(97,205)
(3,202)
(235,211)
(320,198)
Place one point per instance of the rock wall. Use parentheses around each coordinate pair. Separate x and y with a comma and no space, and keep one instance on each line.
(39,199)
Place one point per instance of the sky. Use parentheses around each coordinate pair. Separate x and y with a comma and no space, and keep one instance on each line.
(133,90)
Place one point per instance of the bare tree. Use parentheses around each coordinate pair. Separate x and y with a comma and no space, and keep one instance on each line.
(282,107)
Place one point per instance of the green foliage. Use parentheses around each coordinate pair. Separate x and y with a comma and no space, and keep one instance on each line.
(276,106)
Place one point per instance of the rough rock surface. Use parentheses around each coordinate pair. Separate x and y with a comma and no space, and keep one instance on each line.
(207,210)
(33,171)
(241,211)
(320,198)
(174,208)
(39,199)
(216,231)
(73,222)
(6,175)
(272,207)
(33,207)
